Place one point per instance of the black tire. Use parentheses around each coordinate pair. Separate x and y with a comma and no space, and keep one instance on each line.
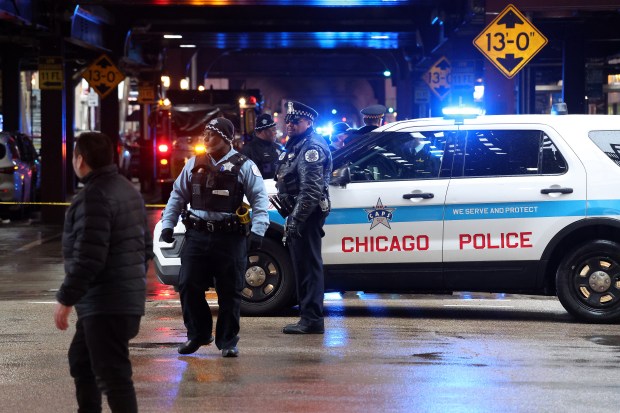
(588,282)
(269,280)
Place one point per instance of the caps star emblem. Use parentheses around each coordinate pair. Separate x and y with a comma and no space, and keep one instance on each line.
(379,215)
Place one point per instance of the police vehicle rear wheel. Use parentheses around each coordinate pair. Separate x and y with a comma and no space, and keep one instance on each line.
(269,280)
(588,281)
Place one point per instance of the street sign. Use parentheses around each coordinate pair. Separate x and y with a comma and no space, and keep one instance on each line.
(51,76)
(103,76)
(438,77)
(93,99)
(146,93)
(510,41)
(463,73)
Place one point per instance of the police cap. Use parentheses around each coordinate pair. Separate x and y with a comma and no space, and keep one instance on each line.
(295,110)
(264,121)
(374,111)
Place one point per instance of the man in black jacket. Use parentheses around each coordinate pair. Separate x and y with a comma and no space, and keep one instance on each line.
(263,148)
(302,177)
(106,246)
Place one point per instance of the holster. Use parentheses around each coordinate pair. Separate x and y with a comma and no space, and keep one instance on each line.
(284,204)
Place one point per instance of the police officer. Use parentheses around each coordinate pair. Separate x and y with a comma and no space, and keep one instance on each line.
(263,148)
(340,131)
(421,163)
(215,241)
(302,179)
(372,117)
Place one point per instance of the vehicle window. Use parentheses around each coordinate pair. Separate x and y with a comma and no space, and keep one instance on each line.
(401,155)
(2,150)
(13,148)
(552,161)
(609,142)
(507,153)
(26,148)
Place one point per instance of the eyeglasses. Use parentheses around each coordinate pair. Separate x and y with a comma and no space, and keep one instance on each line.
(294,121)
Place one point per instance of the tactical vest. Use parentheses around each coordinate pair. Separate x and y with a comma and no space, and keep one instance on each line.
(217,187)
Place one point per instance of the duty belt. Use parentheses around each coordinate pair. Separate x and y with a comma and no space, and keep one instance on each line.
(202,225)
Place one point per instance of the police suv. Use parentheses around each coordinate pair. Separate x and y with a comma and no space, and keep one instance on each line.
(517,204)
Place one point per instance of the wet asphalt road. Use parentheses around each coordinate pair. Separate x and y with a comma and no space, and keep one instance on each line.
(380,353)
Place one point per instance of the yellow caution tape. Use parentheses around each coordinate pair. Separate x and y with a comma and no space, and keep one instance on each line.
(67,204)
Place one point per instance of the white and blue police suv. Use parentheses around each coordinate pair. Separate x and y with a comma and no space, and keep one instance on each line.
(516,204)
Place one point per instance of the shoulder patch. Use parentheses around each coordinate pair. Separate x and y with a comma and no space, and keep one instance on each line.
(311,155)
(255,170)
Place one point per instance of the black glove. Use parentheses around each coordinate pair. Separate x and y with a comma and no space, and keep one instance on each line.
(293,228)
(255,241)
(166,235)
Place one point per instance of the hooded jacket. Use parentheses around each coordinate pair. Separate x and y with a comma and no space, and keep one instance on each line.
(106,245)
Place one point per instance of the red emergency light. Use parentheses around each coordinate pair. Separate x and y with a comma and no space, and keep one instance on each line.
(163,148)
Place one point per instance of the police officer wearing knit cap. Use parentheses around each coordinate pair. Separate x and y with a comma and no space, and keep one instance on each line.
(263,148)
(302,180)
(215,239)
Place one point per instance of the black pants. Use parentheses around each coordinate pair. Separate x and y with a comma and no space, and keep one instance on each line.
(308,267)
(208,257)
(99,362)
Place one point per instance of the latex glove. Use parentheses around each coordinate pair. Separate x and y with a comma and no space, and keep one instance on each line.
(255,241)
(166,235)
(293,228)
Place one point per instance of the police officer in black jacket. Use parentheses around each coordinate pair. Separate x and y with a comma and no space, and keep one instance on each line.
(373,118)
(302,179)
(263,148)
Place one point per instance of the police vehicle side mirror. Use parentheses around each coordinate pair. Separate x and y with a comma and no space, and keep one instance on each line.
(341,177)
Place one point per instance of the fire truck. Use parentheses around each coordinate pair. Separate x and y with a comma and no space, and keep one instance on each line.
(178,121)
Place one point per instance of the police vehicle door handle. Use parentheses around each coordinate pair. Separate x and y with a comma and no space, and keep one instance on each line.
(547,191)
(424,195)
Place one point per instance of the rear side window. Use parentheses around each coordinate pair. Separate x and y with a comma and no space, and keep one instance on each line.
(483,153)
(2,150)
(609,142)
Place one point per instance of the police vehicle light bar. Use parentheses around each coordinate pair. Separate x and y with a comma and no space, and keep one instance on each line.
(463,112)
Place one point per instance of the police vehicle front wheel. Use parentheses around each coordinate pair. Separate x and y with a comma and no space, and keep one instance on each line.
(269,280)
(588,281)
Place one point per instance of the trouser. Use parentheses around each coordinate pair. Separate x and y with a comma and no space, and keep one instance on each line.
(207,256)
(99,362)
(308,267)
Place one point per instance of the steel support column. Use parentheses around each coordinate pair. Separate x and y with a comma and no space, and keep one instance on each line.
(10,89)
(574,73)
(53,143)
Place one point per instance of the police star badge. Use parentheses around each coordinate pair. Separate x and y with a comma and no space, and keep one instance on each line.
(379,215)
(227,167)
(311,155)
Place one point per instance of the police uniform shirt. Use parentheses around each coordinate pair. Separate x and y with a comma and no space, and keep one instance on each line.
(253,188)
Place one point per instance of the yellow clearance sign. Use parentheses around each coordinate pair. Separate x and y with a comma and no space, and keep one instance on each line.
(438,77)
(510,41)
(103,76)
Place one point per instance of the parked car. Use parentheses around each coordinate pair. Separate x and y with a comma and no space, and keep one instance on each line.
(515,204)
(17,175)
(29,154)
